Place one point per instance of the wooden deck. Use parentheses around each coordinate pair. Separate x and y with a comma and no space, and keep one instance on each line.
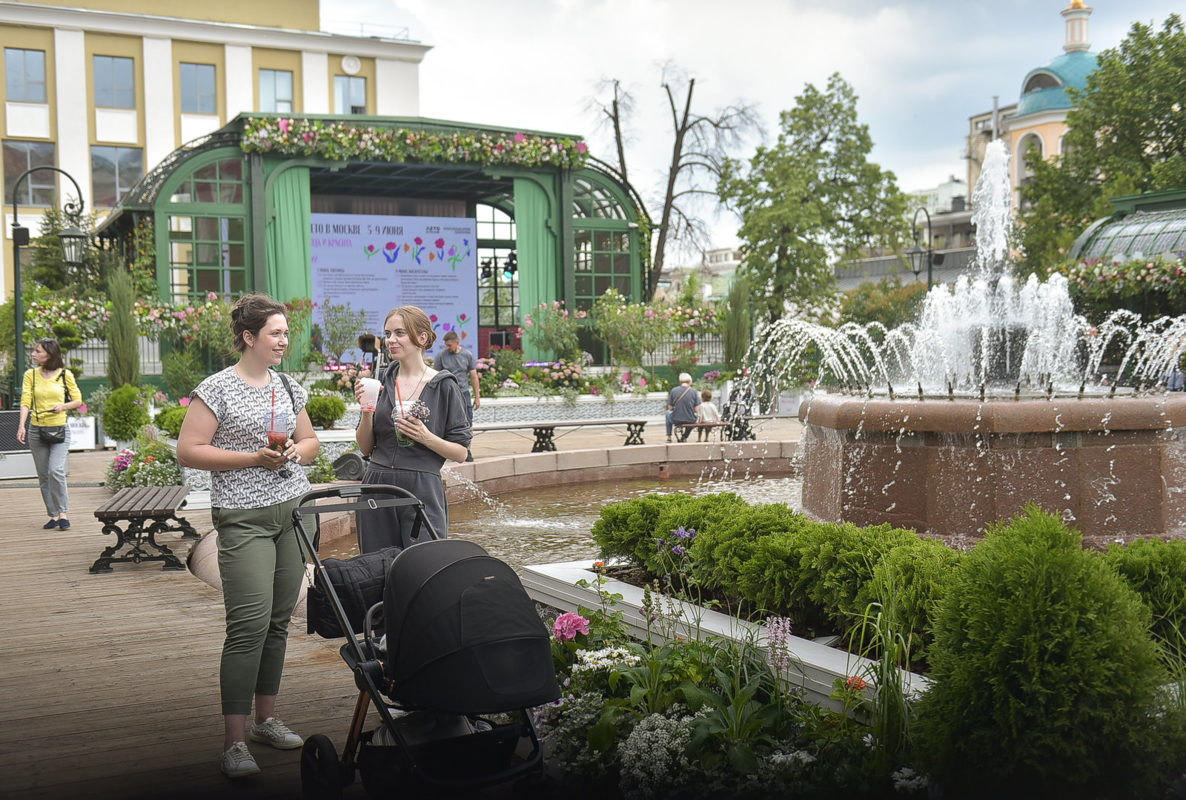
(110,681)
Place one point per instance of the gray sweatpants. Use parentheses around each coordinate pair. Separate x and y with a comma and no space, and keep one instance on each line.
(50,461)
(262,568)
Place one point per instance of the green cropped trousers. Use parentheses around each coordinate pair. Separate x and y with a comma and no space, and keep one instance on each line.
(262,567)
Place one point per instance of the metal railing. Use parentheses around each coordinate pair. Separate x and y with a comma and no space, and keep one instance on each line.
(93,353)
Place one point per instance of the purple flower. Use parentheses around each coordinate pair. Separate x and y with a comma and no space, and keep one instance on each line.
(677,550)
(681,533)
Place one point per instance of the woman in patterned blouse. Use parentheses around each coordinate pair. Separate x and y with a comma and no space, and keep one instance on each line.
(255,483)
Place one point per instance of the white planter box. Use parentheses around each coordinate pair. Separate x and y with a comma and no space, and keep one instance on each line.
(814,666)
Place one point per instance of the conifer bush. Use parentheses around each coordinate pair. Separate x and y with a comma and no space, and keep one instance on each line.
(1156,570)
(125,413)
(325,409)
(1044,673)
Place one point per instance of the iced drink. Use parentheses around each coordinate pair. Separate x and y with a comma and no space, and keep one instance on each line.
(277,440)
(370,394)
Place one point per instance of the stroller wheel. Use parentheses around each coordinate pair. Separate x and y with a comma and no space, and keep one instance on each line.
(321,771)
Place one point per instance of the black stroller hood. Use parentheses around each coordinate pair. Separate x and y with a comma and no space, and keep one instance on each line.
(462,634)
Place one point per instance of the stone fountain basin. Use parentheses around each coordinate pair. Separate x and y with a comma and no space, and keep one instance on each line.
(1115,468)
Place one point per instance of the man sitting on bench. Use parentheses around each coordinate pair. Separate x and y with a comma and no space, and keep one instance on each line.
(682,402)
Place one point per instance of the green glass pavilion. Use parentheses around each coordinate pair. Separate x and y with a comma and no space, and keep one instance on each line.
(230,213)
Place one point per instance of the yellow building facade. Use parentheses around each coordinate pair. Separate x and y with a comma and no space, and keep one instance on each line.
(107,89)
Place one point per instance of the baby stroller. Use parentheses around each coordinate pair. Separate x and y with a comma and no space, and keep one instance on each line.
(452,668)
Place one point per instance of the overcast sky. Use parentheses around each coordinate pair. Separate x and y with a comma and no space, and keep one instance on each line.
(919,67)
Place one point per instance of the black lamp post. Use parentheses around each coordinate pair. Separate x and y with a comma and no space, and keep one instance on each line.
(917,255)
(73,247)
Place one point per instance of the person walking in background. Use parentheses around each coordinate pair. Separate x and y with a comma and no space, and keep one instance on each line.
(681,406)
(248,426)
(370,353)
(706,412)
(47,393)
(464,367)
(419,421)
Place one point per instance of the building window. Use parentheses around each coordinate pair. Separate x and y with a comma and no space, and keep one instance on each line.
(207,254)
(220,182)
(601,262)
(275,90)
(38,188)
(350,95)
(197,89)
(114,170)
(115,83)
(24,72)
(498,271)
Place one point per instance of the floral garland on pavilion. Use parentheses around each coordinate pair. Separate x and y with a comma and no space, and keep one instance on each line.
(341,141)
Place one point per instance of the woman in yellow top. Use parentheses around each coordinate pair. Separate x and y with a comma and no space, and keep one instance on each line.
(48,392)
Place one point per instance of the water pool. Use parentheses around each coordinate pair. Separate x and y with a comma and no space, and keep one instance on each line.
(552,524)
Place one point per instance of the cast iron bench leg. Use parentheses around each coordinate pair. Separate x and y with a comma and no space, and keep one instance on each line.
(634,432)
(544,440)
(137,537)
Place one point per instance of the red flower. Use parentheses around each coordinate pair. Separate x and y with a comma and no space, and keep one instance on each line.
(856,683)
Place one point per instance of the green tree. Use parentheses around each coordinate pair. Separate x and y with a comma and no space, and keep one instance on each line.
(738,323)
(123,353)
(47,264)
(1127,134)
(812,197)
(341,325)
(699,143)
(889,302)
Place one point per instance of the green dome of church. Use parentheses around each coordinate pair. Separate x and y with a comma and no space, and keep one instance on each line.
(1044,88)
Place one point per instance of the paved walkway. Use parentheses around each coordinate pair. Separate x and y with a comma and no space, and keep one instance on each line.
(111,681)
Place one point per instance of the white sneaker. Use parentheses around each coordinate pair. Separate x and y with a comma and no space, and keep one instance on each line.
(238,762)
(274,732)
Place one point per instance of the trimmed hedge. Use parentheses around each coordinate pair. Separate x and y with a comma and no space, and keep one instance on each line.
(1156,570)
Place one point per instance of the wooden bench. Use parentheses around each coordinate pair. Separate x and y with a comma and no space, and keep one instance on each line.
(136,515)
(711,427)
(545,431)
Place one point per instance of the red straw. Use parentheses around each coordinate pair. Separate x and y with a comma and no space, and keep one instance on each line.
(272,422)
(400,398)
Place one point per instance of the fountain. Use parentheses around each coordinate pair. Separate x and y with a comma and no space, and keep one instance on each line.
(998,396)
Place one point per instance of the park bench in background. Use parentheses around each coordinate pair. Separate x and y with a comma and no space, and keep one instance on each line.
(545,431)
(723,428)
(136,515)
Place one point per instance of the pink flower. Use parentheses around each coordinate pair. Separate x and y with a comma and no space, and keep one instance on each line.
(582,147)
(520,138)
(568,625)
(283,125)
(183,402)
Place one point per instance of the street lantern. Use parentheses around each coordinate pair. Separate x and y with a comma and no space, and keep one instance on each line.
(73,246)
(918,256)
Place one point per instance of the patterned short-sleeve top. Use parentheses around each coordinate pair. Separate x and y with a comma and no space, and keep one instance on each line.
(243,412)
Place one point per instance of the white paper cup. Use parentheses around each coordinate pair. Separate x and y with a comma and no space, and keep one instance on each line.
(370,393)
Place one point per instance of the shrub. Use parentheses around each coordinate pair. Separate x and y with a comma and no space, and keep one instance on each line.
(836,561)
(631,529)
(181,371)
(169,420)
(125,413)
(917,573)
(723,553)
(1156,570)
(1044,672)
(325,409)
(322,470)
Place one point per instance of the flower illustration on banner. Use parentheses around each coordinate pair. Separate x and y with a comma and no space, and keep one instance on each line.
(462,319)
(419,248)
(435,323)
(454,257)
(391,252)
(370,251)
(440,246)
